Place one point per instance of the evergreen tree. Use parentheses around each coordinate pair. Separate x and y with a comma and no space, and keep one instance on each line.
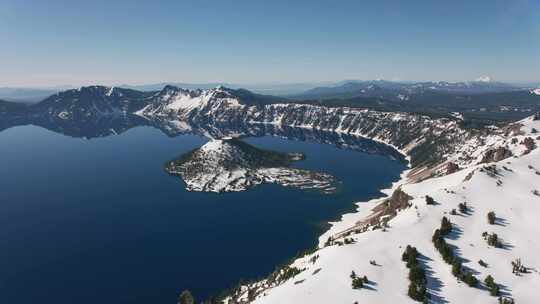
(357,283)
(456,269)
(430,200)
(186,298)
(463,207)
(492,286)
(469,279)
(493,240)
(491,217)
(446,226)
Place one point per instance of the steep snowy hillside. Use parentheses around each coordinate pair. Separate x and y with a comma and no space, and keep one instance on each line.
(197,104)
(491,208)
(228,165)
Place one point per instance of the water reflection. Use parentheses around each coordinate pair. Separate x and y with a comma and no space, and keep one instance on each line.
(108,125)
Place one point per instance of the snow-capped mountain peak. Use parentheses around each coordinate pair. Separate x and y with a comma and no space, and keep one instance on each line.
(173,100)
(483,79)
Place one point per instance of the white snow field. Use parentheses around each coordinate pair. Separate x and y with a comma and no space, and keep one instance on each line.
(506,187)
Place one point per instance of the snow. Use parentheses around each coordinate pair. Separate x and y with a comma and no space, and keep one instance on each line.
(508,194)
(457,115)
(403,97)
(483,79)
(213,146)
(178,102)
(184,102)
(64,115)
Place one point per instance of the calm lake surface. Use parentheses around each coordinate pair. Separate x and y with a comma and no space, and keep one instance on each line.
(100,221)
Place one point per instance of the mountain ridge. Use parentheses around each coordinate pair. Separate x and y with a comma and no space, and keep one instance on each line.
(373,88)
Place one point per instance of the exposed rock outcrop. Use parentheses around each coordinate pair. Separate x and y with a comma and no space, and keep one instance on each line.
(529,143)
(496,154)
(451,167)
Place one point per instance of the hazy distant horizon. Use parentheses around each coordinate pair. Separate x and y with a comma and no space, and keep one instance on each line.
(58,43)
(254,84)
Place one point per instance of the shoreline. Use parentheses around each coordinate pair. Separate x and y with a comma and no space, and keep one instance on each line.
(363,209)
(360,209)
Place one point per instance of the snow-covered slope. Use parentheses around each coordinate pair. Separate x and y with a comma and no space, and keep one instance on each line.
(90,103)
(228,165)
(182,102)
(509,188)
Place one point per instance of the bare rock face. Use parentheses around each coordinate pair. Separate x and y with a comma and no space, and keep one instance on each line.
(536,116)
(451,168)
(495,155)
(513,129)
(469,176)
(529,143)
(390,207)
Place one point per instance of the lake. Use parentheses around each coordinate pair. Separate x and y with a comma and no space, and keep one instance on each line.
(100,221)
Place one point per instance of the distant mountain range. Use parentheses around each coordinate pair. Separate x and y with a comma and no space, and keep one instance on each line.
(404,91)
(179,110)
(34,95)
(478,101)
(28,95)
(389,90)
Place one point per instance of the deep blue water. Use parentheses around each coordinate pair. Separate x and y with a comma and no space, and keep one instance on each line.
(100,221)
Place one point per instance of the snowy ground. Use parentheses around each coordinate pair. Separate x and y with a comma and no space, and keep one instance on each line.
(509,193)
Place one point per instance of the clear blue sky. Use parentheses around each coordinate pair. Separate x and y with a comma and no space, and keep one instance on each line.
(59,42)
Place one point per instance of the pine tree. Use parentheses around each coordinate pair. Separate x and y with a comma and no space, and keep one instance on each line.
(446,226)
(463,207)
(493,287)
(489,280)
(357,283)
(493,240)
(430,200)
(491,217)
(456,268)
(469,279)
(186,298)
